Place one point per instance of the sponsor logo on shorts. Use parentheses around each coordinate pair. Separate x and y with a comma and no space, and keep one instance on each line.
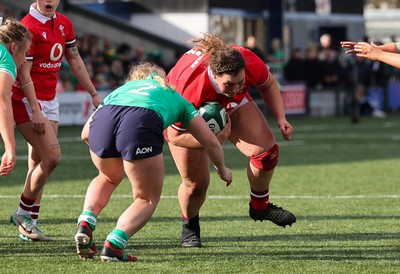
(144,150)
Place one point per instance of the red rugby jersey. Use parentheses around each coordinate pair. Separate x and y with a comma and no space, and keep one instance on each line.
(50,37)
(191,79)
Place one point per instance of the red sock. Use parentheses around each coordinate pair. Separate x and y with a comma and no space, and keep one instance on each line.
(186,218)
(35,212)
(26,204)
(259,199)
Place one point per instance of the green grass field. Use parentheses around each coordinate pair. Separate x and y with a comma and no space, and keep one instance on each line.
(340,179)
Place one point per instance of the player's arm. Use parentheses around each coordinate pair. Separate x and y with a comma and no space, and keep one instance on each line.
(373,52)
(8,160)
(38,119)
(389,47)
(198,127)
(272,97)
(79,70)
(182,138)
(186,139)
(389,58)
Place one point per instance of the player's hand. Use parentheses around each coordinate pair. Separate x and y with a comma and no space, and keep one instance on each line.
(223,135)
(39,122)
(225,175)
(367,50)
(96,100)
(286,129)
(7,164)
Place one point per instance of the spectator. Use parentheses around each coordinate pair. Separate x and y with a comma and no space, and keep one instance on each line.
(380,72)
(294,69)
(251,44)
(109,51)
(312,68)
(277,54)
(127,56)
(64,83)
(331,69)
(102,83)
(117,73)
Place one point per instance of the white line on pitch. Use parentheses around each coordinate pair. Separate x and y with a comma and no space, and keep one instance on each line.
(397,196)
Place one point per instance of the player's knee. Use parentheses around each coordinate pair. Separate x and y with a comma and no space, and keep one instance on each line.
(52,162)
(196,188)
(266,160)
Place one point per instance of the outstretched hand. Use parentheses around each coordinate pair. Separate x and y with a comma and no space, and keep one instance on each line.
(363,49)
(348,44)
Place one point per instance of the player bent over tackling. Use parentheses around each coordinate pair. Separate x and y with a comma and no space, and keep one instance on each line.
(125,138)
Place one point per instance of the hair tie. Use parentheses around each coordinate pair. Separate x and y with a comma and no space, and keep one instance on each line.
(151,75)
(27,84)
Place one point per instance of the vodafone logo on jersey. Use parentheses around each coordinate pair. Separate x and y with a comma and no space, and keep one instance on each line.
(50,65)
(56,54)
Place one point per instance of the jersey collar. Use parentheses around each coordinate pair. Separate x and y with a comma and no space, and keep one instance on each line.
(38,16)
(211,77)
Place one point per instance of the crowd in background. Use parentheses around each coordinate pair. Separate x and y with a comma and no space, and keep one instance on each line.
(107,63)
(323,66)
(330,67)
(318,67)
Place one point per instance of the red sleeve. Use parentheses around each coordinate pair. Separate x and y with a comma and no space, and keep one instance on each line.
(257,72)
(70,40)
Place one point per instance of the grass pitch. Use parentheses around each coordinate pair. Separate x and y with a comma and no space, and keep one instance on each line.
(341,180)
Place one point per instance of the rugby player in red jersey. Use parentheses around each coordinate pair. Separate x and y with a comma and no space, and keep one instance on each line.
(215,71)
(35,106)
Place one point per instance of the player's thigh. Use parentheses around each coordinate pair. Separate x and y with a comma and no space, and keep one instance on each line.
(192,164)
(45,145)
(146,176)
(54,126)
(111,168)
(250,131)
(33,155)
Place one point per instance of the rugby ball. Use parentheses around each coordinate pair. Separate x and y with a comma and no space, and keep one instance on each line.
(215,116)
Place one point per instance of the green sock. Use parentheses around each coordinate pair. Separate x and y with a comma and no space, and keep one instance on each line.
(90,218)
(118,238)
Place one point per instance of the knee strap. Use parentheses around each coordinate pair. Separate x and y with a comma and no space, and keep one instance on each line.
(266,160)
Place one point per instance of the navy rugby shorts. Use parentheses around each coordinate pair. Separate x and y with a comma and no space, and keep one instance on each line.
(127,132)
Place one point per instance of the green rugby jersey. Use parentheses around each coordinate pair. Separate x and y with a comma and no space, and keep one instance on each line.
(167,103)
(7,64)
